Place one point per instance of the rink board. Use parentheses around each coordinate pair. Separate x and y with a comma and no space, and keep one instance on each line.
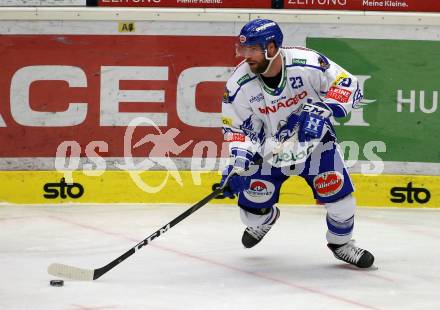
(47,187)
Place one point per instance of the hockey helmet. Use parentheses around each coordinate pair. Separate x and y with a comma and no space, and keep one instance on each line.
(259,32)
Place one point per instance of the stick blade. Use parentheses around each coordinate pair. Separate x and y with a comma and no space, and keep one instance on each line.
(70,272)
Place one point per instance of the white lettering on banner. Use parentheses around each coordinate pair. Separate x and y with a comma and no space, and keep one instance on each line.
(372,3)
(412,101)
(186,95)
(434,102)
(20,87)
(111,95)
(387,3)
(318,2)
(211,1)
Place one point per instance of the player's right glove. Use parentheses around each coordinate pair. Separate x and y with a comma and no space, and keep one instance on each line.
(236,183)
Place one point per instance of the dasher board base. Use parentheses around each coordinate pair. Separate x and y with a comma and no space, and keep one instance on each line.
(52,187)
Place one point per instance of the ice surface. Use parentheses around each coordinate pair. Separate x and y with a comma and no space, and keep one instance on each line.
(201,264)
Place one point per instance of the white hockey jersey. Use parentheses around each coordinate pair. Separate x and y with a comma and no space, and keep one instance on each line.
(252,112)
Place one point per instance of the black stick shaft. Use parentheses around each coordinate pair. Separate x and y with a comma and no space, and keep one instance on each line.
(100,271)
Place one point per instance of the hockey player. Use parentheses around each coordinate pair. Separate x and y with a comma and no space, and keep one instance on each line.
(275,96)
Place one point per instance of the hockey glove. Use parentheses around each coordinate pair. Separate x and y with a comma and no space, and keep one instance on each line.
(311,126)
(236,182)
(312,120)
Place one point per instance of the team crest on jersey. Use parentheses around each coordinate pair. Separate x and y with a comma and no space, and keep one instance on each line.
(357,99)
(323,62)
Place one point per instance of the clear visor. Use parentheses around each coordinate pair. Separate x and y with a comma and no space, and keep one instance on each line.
(247,51)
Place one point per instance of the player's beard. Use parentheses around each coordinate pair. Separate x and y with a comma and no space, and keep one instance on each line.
(260,66)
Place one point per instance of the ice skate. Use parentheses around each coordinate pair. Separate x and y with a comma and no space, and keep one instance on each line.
(253,235)
(352,254)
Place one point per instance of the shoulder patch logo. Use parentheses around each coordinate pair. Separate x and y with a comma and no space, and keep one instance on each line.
(299,61)
(243,79)
(323,62)
(226,96)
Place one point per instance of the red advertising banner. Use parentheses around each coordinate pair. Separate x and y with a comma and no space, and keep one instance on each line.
(254,4)
(87,88)
(366,5)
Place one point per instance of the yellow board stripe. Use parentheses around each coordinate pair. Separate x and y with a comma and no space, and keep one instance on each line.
(189,187)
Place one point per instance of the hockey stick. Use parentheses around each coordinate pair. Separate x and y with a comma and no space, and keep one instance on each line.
(75,273)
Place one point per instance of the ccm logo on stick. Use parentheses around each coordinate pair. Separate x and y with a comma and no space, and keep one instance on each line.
(53,190)
(410,194)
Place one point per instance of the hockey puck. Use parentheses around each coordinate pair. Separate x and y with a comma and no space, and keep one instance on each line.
(56,282)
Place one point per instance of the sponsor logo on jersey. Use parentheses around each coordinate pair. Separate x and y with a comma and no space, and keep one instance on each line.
(339,94)
(291,156)
(243,79)
(257,98)
(259,191)
(410,194)
(315,109)
(226,121)
(328,183)
(234,137)
(278,99)
(283,104)
(299,61)
(342,80)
